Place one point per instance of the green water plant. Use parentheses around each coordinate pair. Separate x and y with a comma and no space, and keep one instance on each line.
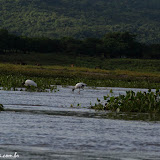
(14,83)
(142,102)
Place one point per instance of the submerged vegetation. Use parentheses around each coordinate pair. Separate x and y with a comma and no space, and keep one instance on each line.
(141,102)
(1,107)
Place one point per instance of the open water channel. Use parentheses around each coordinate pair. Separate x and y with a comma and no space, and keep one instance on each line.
(44,126)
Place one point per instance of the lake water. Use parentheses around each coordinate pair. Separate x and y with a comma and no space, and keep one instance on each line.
(44,126)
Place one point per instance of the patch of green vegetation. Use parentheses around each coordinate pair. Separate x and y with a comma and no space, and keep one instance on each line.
(12,76)
(13,82)
(66,60)
(141,102)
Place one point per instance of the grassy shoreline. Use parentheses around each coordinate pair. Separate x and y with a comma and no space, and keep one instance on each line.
(67,59)
(55,69)
(12,75)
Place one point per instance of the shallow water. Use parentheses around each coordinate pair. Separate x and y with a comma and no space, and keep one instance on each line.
(42,125)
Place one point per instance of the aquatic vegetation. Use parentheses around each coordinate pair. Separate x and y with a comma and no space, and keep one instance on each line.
(142,102)
(1,107)
(14,83)
(12,76)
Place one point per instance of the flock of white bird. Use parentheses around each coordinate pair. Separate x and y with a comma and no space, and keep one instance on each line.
(77,86)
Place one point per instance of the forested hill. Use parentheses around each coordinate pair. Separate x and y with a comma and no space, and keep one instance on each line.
(81,18)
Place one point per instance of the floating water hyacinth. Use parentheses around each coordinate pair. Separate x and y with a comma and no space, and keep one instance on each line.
(142,102)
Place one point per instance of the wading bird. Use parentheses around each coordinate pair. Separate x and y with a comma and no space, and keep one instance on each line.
(79,86)
(30,83)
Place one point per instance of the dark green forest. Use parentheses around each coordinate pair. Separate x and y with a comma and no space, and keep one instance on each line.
(81,18)
(111,45)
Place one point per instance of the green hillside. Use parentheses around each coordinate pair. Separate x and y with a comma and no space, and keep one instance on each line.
(81,18)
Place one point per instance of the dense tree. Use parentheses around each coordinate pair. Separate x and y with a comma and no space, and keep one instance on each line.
(92,46)
(121,44)
(3,40)
(82,18)
(151,51)
(111,45)
(70,45)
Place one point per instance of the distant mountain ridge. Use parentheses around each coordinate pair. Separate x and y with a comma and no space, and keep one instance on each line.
(81,18)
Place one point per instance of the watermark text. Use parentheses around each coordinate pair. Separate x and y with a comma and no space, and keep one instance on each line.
(15,155)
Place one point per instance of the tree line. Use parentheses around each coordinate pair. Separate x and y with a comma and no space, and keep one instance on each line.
(111,45)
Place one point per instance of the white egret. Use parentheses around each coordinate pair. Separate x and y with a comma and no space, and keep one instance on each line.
(30,83)
(79,86)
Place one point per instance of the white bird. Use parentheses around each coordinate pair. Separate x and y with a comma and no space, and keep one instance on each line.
(30,83)
(79,86)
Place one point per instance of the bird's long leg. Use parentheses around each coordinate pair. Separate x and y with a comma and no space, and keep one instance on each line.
(82,88)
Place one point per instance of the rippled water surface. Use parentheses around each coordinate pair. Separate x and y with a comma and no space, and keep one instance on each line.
(43,125)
